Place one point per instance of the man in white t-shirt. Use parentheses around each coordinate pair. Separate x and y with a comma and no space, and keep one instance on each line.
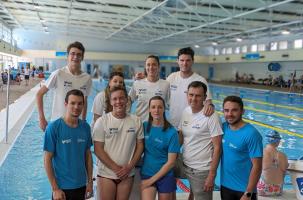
(201,142)
(179,82)
(118,142)
(63,80)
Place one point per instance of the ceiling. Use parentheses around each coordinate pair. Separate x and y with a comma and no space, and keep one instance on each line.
(149,23)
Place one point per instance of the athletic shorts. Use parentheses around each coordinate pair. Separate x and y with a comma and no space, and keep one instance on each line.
(166,184)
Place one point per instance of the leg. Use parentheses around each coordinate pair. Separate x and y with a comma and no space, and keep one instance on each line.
(149,193)
(196,179)
(124,188)
(108,190)
(165,196)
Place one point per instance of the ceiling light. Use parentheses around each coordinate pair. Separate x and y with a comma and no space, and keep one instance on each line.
(197,46)
(46,32)
(285,32)
(42,20)
(239,39)
(214,43)
(36,7)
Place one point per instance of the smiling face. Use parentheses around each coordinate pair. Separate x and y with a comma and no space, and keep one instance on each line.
(232,113)
(185,63)
(116,81)
(75,56)
(152,67)
(74,105)
(156,109)
(195,98)
(118,101)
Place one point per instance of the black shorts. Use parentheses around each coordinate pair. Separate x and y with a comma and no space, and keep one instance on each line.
(228,194)
(26,77)
(75,194)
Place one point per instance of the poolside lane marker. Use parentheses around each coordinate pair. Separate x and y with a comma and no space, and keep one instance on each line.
(269,126)
(268,112)
(269,104)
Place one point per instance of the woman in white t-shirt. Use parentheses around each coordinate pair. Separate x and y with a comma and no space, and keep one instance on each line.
(144,89)
(101,102)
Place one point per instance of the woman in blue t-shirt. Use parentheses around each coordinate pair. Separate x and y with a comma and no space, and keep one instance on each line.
(160,152)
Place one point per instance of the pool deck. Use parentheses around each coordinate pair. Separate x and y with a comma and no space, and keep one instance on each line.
(21,110)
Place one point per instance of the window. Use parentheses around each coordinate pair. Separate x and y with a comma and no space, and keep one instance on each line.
(261,47)
(283,45)
(244,49)
(217,52)
(237,50)
(254,48)
(229,50)
(224,51)
(298,44)
(273,46)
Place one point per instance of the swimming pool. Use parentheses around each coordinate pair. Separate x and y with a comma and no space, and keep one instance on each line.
(23,176)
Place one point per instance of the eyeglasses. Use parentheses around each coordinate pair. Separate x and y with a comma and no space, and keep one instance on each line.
(78,55)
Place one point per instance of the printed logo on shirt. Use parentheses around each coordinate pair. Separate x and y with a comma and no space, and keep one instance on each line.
(158,140)
(80,140)
(113,131)
(196,126)
(68,84)
(131,130)
(142,91)
(173,87)
(185,123)
(66,141)
(83,88)
(232,146)
(159,93)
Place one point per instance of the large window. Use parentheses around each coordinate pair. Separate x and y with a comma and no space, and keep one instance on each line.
(223,51)
(244,49)
(298,44)
(229,50)
(254,48)
(273,46)
(261,47)
(283,45)
(217,52)
(237,50)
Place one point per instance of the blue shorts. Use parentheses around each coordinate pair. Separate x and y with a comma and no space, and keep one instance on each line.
(166,184)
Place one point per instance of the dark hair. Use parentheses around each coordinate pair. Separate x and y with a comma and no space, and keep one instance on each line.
(234,99)
(154,57)
(186,51)
(166,124)
(108,107)
(118,88)
(77,45)
(198,84)
(73,92)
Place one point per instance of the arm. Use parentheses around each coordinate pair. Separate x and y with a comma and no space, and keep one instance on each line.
(209,183)
(124,171)
(84,111)
(96,116)
(164,169)
(104,157)
(39,97)
(254,176)
(209,107)
(57,192)
(180,136)
(89,170)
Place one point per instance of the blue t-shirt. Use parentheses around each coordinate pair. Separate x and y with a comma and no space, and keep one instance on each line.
(157,145)
(69,146)
(239,146)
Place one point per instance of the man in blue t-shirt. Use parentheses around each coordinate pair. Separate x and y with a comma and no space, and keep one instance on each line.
(241,161)
(67,157)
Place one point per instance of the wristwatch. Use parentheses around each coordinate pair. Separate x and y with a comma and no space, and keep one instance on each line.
(248,194)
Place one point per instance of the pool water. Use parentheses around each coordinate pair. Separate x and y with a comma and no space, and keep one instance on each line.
(23,176)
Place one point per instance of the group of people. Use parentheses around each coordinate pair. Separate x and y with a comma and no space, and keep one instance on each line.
(192,128)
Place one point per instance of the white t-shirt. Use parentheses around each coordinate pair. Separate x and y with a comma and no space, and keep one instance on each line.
(119,137)
(198,130)
(62,80)
(99,104)
(178,94)
(143,90)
